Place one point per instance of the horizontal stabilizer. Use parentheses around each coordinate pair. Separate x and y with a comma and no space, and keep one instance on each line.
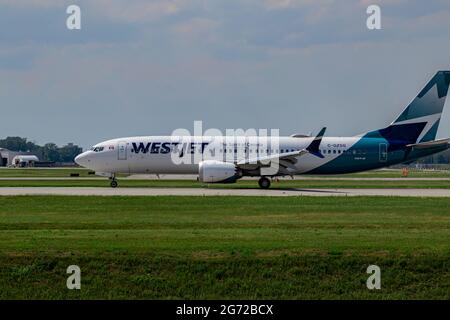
(431,144)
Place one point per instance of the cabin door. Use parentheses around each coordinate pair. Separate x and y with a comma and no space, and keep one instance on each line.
(383,152)
(122,150)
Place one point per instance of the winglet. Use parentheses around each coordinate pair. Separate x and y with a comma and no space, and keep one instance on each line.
(314,146)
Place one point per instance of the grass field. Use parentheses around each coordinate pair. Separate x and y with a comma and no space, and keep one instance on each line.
(241,184)
(65,172)
(224,247)
(42,172)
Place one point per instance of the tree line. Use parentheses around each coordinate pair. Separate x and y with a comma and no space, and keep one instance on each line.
(438,158)
(47,152)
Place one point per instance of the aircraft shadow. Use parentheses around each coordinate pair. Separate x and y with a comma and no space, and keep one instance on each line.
(286,189)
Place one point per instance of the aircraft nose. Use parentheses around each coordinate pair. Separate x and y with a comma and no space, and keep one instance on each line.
(81,159)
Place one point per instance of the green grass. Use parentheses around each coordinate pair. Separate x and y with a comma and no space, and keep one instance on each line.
(42,172)
(241,184)
(224,247)
(65,172)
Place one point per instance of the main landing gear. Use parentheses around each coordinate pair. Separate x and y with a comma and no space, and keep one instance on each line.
(264,183)
(113,183)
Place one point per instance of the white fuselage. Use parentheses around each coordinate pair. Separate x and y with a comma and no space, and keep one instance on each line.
(182,155)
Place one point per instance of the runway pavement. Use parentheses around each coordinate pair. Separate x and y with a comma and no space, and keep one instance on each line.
(297,177)
(194,178)
(92,191)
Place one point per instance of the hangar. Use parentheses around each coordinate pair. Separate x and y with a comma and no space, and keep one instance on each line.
(24,161)
(14,158)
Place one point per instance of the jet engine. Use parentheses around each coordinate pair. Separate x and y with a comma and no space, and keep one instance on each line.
(211,171)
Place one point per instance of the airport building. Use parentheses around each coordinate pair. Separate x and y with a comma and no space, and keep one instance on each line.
(10,158)
(23,161)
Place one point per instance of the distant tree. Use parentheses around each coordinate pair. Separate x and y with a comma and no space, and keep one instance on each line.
(51,152)
(48,152)
(68,152)
(439,158)
(14,144)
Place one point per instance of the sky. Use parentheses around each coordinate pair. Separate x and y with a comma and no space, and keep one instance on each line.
(142,67)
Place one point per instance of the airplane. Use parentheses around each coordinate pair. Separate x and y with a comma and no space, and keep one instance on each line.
(409,137)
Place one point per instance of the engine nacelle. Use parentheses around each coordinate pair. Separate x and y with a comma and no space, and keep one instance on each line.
(211,171)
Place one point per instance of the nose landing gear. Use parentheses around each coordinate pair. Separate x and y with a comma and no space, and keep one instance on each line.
(113,183)
(264,183)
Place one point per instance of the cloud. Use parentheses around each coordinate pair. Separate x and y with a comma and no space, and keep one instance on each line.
(17,58)
(200,29)
(31,31)
(284,4)
(32,3)
(138,10)
(383,2)
(151,66)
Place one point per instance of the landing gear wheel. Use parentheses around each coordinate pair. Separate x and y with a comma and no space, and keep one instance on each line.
(264,183)
(113,184)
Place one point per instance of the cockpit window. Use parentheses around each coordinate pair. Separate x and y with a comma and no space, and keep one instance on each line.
(97,149)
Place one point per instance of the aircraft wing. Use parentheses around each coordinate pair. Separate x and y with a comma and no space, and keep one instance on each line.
(258,161)
(285,159)
(431,144)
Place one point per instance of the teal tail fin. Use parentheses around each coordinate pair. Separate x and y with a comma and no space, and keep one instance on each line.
(427,107)
(419,121)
